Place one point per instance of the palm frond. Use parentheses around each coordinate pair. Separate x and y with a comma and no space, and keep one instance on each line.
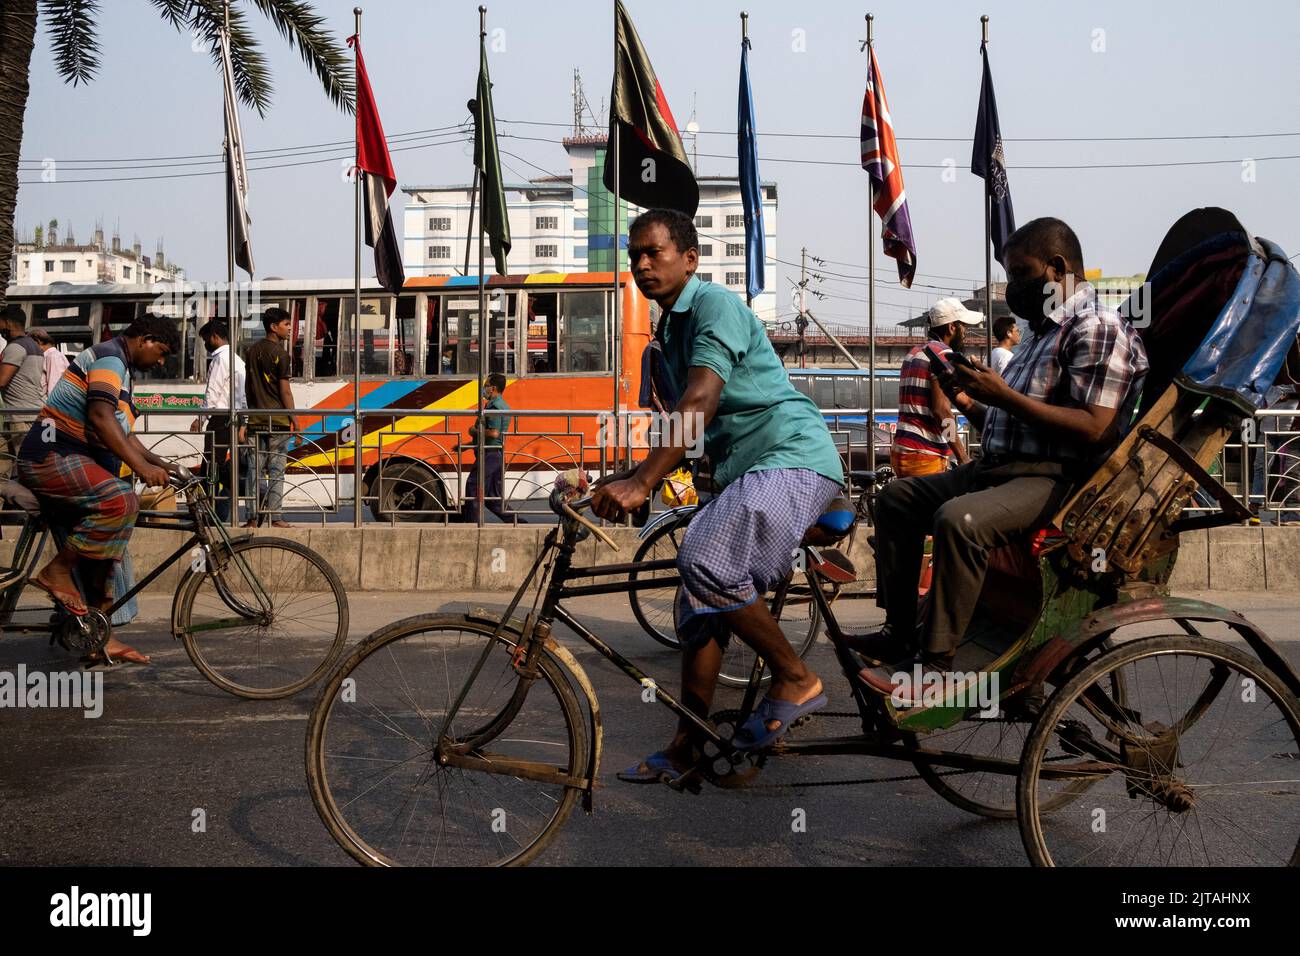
(252,75)
(305,29)
(175,12)
(74,36)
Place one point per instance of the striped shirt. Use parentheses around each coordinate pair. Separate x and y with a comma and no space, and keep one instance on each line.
(101,373)
(1082,355)
(919,431)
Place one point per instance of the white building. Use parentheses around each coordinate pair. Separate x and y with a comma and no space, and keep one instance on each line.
(550,230)
(45,260)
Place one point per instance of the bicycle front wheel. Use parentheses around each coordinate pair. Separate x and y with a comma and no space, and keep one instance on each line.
(264,618)
(377,751)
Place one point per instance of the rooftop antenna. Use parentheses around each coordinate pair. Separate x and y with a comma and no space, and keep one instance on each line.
(693,127)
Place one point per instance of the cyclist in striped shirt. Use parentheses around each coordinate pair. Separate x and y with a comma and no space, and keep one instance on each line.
(926,441)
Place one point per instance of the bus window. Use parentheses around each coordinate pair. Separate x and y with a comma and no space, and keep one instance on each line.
(325,342)
(850,392)
(802,384)
(823,391)
(584,338)
(404,337)
(887,392)
(461,332)
(543,332)
(437,359)
(53,316)
(375,337)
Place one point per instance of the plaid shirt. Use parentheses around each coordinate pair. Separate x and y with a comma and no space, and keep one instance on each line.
(1082,355)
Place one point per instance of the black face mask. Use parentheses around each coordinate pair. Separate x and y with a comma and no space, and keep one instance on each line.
(1029,299)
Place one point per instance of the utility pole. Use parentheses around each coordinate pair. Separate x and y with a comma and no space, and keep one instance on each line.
(801,323)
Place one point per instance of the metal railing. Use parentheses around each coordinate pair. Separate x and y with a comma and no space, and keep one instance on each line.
(416,462)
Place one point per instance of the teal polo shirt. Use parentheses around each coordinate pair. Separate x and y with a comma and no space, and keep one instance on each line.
(763,422)
(497,423)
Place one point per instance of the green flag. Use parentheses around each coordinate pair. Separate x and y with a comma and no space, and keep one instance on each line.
(492,194)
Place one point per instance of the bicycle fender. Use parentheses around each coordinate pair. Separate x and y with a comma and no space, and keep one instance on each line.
(1105,621)
(566,658)
(561,653)
(666,517)
(180,589)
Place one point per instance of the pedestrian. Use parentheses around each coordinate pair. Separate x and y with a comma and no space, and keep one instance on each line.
(22,367)
(216,340)
(1007,334)
(926,440)
(55,362)
(494,429)
(267,387)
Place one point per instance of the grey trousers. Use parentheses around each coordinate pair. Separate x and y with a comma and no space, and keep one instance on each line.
(968,510)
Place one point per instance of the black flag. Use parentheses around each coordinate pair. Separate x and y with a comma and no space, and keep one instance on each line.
(989,162)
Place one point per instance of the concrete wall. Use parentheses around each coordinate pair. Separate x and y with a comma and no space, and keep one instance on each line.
(438,558)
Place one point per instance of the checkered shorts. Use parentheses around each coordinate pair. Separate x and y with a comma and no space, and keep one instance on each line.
(742,544)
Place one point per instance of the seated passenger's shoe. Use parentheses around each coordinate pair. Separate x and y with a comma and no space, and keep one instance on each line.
(882,647)
(906,681)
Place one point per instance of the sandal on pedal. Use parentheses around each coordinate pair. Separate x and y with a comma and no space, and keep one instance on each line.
(63,600)
(656,768)
(754,735)
(127,655)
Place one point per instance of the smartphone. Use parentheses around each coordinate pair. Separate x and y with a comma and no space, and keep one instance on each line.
(948,359)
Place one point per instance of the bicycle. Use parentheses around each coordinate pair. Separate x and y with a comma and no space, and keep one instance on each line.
(260,617)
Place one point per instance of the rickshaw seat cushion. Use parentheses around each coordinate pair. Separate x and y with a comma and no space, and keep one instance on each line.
(19,495)
(837,520)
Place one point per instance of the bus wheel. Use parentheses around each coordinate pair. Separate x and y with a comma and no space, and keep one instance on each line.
(408,491)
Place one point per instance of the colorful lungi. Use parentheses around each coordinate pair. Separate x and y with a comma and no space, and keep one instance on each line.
(742,544)
(98,509)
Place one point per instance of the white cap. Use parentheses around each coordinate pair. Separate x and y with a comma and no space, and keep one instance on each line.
(951,310)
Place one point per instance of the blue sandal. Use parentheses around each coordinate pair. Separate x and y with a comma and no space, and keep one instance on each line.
(754,735)
(659,769)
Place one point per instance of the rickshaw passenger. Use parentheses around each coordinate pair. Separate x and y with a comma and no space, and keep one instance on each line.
(1066,400)
(73,456)
(774,459)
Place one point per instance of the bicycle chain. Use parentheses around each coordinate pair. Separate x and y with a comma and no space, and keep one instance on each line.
(900,778)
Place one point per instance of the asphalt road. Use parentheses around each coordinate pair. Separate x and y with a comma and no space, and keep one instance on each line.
(127,787)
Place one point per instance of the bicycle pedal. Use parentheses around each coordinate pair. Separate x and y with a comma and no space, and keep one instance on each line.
(688,782)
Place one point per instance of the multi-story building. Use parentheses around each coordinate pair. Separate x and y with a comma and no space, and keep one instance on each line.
(564,224)
(45,260)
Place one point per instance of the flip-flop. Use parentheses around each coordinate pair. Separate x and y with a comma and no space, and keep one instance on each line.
(658,769)
(753,733)
(60,602)
(99,657)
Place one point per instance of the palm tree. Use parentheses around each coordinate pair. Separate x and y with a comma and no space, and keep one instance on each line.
(73,28)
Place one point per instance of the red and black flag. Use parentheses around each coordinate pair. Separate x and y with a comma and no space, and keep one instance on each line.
(653,169)
(378,182)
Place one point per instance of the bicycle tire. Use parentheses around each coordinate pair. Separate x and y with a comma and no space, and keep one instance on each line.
(227,665)
(551,674)
(652,611)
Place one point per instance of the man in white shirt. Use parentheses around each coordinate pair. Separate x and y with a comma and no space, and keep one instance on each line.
(1007,334)
(216,340)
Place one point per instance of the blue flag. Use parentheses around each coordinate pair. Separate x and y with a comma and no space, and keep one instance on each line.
(989,162)
(750,188)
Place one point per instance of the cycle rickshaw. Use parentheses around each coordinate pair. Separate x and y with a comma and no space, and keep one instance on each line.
(468,739)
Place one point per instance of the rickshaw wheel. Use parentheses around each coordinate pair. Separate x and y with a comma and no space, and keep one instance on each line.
(1193,769)
(987,794)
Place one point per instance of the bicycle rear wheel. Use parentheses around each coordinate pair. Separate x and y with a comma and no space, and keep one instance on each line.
(1196,768)
(264,618)
(374,767)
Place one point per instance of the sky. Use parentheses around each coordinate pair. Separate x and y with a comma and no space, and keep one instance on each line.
(1071,74)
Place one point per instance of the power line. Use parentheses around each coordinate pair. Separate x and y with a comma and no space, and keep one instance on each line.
(219,157)
(966,139)
(221,172)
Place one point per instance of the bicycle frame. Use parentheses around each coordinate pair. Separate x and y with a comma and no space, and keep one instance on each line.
(200,524)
